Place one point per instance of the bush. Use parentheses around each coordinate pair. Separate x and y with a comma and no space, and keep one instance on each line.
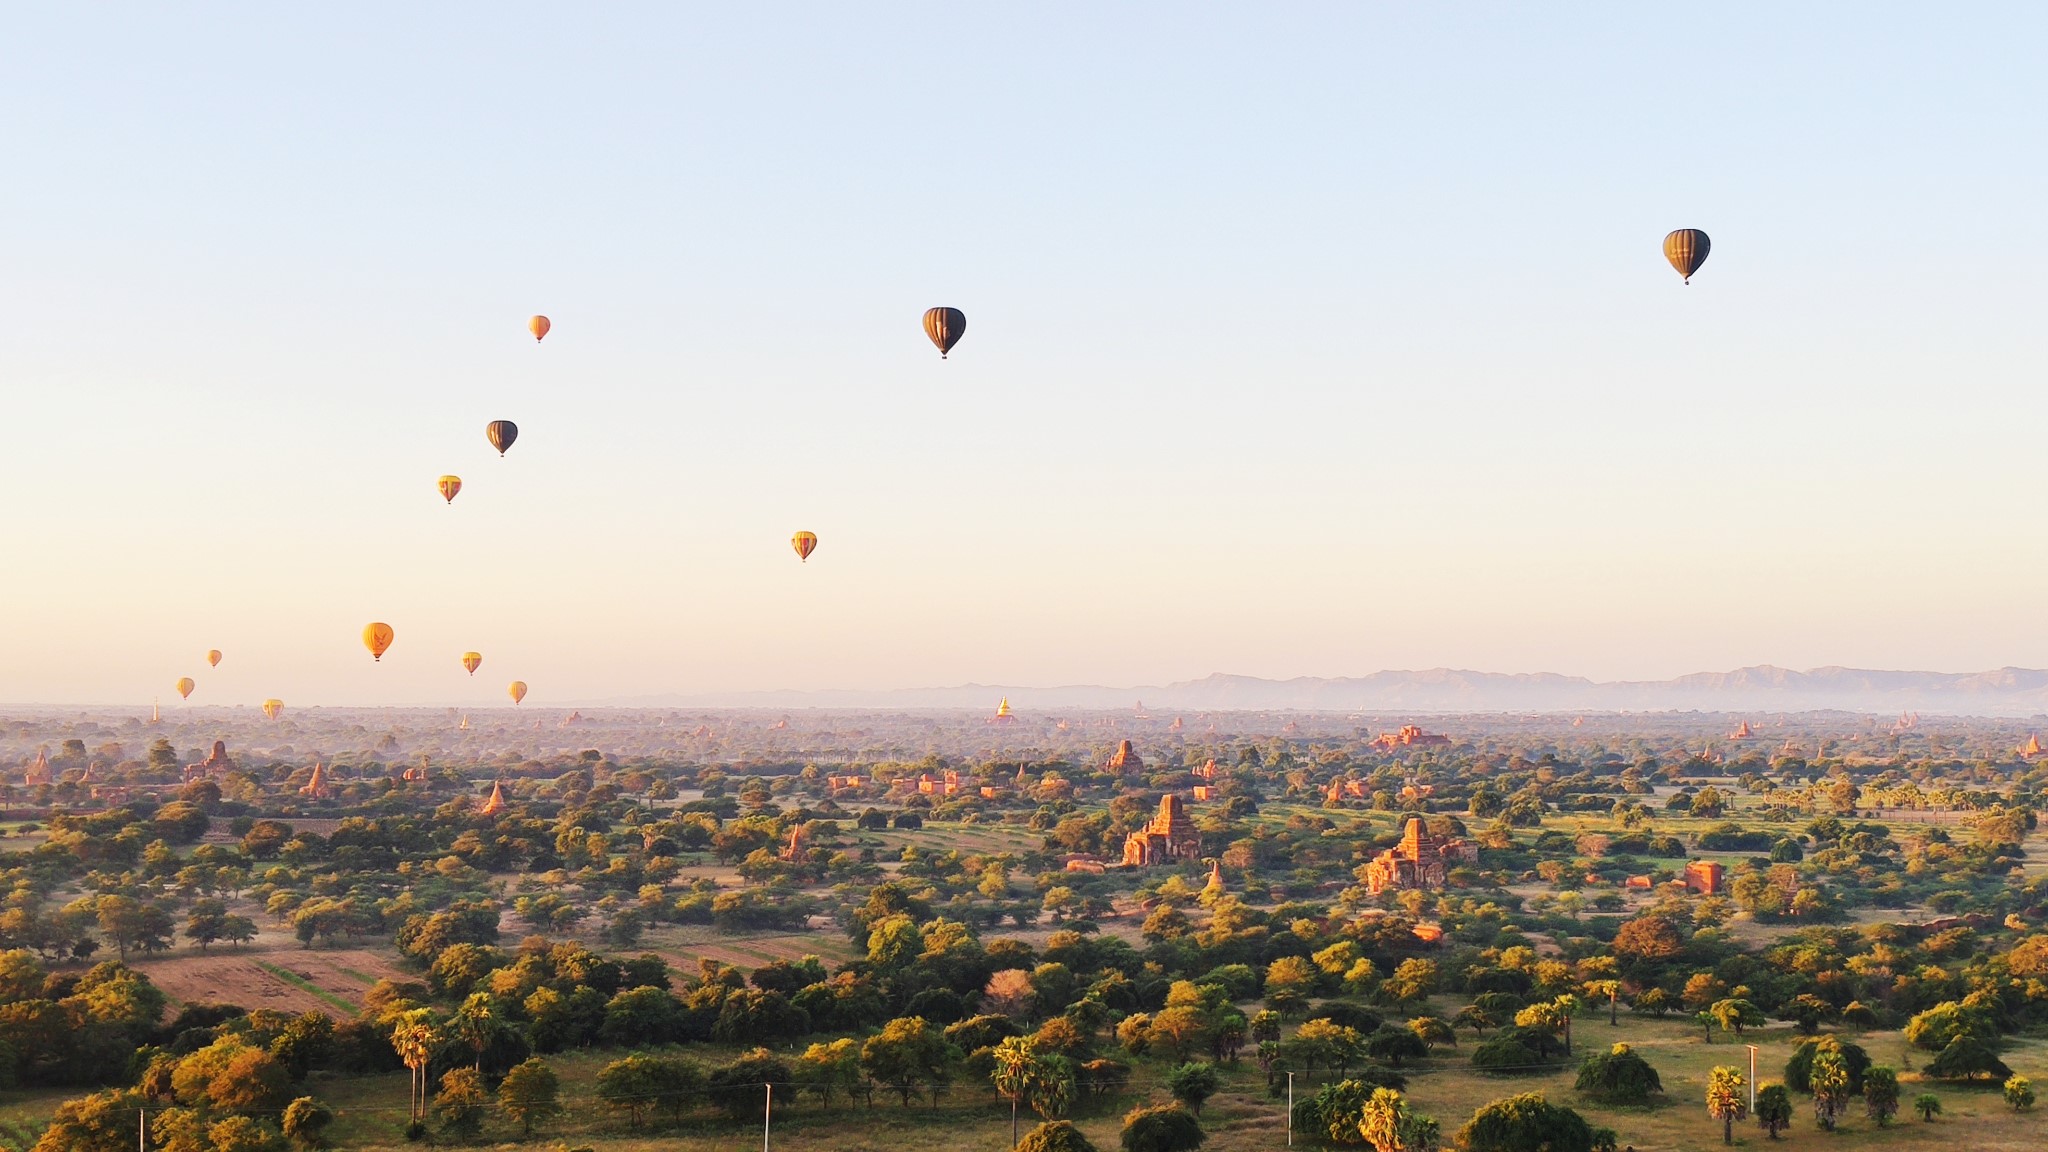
(1799,1069)
(1166,1128)
(1506,1055)
(1526,1123)
(1055,1136)
(1191,1084)
(1967,1058)
(1619,1077)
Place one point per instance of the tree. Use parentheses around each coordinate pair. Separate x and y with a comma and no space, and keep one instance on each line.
(1829,1081)
(415,1036)
(908,1054)
(303,1121)
(1773,1109)
(1055,1136)
(2019,1092)
(1165,1128)
(461,1103)
(1928,1105)
(1390,1045)
(1881,1095)
(242,1134)
(1649,937)
(1611,989)
(1433,1031)
(1526,1123)
(1967,1058)
(830,1068)
(1725,1099)
(630,1085)
(476,1024)
(1191,1084)
(1388,1126)
(1798,1070)
(531,1094)
(1618,1076)
(1733,1015)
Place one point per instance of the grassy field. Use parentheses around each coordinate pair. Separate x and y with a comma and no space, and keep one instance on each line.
(1243,1118)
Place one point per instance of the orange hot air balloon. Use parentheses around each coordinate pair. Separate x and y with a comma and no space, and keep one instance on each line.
(449,486)
(1687,249)
(945,326)
(805,543)
(472,661)
(185,686)
(539,327)
(501,434)
(377,638)
(273,708)
(517,690)
(213,658)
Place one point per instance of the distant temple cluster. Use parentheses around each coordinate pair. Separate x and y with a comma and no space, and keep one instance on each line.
(216,762)
(1420,860)
(1410,736)
(1169,838)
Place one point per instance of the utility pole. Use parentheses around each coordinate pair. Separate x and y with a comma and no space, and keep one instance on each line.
(767,1111)
(1290,1109)
(1752,1079)
(141,1130)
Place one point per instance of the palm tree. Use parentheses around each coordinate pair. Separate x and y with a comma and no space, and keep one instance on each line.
(415,1037)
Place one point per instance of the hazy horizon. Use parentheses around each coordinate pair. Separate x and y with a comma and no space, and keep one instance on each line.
(1288,354)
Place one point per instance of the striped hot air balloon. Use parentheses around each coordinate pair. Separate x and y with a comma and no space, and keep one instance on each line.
(539,327)
(805,543)
(945,326)
(1687,250)
(185,686)
(449,486)
(501,434)
(472,661)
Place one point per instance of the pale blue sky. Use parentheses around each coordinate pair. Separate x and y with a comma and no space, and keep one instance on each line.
(1304,339)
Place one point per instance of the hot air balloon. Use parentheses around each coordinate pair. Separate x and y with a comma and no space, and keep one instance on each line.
(472,661)
(185,686)
(213,658)
(1687,250)
(273,708)
(805,543)
(945,326)
(377,638)
(517,690)
(501,434)
(539,327)
(449,486)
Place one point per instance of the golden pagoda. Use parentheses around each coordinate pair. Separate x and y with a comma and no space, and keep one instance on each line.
(317,786)
(496,803)
(1003,714)
(464,726)
(2033,747)
(1215,885)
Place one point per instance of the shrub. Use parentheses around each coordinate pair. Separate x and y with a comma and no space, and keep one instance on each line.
(1166,1128)
(1506,1055)
(1619,1077)
(1525,1123)
(1055,1136)
(1799,1069)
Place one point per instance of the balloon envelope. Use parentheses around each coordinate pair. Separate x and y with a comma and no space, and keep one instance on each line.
(945,326)
(449,486)
(213,658)
(272,709)
(539,327)
(472,661)
(1687,250)
(185,686)
(517,690)
(501,434)
(805,543)
(377,638)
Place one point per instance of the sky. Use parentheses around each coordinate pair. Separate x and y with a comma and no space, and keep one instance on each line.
(1304,339)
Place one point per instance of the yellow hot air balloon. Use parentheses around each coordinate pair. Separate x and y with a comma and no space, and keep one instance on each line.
(805,543)
(377,638)
(185,686)
(449,486)
(1687,250)
(273,708)
(501,434)
(213,658)
(517,690)
(945,326)
(539,327)
(472,661)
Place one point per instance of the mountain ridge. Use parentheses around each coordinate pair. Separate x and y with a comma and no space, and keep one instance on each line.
(1997,692)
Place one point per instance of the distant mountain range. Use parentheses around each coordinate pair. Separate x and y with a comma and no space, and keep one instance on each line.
(1762,688)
